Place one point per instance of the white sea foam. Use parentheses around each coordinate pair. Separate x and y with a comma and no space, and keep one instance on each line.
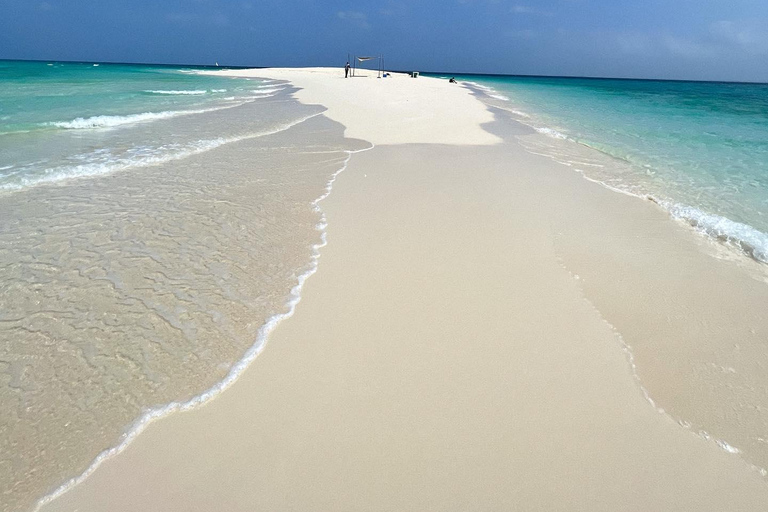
(268,90)
(140,157)
(480,86)
(745,237)
(136,158)
(178,93)
(725,446)
(493,93)
(490,91)
(551,133)
(237,369)
(82,123)
(89,123)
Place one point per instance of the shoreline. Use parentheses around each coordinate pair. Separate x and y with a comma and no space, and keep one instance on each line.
(740,237)
(238,368)
(294,297)
(380,137)
(214,249)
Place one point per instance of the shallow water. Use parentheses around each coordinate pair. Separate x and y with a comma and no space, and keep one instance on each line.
(145,283)
(687,310)
(700,149)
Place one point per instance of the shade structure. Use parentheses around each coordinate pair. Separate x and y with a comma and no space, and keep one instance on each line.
(357,59)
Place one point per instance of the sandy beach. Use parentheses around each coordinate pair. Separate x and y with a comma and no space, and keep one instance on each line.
(479,335)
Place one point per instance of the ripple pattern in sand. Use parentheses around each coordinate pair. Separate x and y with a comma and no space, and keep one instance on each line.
(135,289)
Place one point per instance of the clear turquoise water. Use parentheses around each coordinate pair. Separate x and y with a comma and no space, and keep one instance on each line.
(699,148)
(60,121)
(35,93)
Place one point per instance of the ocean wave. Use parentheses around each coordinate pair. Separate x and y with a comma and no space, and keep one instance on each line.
(480,86)
(749,240)
(519,113)
(83,123)
(86,123)
(551,133)
(742,237)
(492,93)
(176,93)
(268,90)
(137,157)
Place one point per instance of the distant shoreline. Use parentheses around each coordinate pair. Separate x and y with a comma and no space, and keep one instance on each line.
(425,73)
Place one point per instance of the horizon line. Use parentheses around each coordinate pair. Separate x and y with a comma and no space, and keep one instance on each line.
(519,75)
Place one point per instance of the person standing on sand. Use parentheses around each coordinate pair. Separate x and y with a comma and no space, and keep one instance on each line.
(346,70)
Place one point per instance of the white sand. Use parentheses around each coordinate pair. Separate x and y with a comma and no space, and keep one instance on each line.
(393,110)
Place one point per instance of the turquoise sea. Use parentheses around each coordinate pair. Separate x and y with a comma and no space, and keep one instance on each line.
(699,149)
(67,120)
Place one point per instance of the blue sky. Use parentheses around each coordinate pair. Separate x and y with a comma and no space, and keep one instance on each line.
(685,39)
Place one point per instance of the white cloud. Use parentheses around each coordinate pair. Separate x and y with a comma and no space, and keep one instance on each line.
(688,47)
(394,8)
(750,38)
(721,40)
(355,17)
(525,9)
(634,43)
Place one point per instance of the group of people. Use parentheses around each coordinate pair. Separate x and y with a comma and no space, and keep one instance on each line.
(347,67)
